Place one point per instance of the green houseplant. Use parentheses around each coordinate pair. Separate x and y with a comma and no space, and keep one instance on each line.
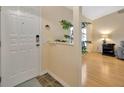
(66,25)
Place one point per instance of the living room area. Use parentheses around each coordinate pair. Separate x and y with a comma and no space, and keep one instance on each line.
(103,52)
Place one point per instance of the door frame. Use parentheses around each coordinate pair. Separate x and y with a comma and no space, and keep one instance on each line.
(3,44)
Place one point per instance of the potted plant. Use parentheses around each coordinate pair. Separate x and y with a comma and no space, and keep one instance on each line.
(66,25)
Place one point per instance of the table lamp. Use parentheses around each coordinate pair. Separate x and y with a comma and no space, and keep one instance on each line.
(104,36)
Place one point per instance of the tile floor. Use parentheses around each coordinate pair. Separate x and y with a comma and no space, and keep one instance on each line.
(45,80)
(30,83)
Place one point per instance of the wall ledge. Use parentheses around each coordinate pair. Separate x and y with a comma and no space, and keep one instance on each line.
(60,43)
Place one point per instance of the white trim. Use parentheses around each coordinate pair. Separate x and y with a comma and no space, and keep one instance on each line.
(58,79)
(43,72)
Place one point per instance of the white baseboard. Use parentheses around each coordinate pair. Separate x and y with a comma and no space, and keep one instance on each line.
(58,79)
(43,72)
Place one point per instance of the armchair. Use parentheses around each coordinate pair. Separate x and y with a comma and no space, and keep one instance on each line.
(119,52)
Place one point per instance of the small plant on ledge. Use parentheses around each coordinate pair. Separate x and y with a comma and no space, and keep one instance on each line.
(57,40)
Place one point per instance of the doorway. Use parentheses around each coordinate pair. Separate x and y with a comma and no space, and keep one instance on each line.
(20,50)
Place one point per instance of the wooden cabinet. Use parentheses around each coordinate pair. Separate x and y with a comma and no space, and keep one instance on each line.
(108,49)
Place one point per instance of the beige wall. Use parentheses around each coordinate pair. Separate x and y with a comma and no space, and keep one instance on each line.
(61,59)
(112,24)
(90,37)
(52,15)
(63,62)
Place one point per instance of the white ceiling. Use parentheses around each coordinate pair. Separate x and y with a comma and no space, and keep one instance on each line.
(95,12)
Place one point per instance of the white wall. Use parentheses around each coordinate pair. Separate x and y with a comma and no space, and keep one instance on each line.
(112,24)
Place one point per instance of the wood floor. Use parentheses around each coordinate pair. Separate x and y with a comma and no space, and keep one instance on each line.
(102,71)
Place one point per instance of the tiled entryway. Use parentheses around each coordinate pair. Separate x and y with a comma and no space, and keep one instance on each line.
(30,83)
(45,80)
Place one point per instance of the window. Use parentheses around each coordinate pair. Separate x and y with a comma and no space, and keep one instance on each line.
(71,35)
(84,36)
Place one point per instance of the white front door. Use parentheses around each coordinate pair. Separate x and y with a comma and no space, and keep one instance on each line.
(20,55)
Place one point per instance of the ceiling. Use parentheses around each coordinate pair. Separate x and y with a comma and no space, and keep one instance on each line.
(95,12)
